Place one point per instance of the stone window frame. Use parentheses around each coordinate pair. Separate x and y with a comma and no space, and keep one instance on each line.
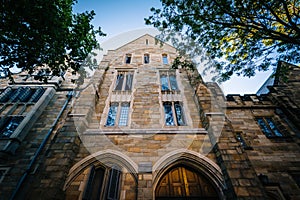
(125,79)
(165,59)
(10,144)
(146,58)
(168,74)
(128,58)
(174,113)
(240,137)
(269,127)
(118,115)
(109,180)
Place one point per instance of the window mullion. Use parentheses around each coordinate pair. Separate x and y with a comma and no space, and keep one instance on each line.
(124,81)
(174,114)
(118,114)
(169,82)
(269,127)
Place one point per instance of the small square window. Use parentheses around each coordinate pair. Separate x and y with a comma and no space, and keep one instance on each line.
(268,127)
(174,115)
(146,58)
(165,59)
(128,59)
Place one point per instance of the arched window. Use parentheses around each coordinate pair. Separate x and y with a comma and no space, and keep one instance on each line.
(184,183)
(103,183)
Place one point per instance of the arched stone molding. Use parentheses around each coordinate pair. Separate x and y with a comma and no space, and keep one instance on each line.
(106,158)
(192,159)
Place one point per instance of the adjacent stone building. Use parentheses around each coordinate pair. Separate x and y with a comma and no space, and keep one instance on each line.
(138,129)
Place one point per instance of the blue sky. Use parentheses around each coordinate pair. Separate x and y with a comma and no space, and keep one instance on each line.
(119,16)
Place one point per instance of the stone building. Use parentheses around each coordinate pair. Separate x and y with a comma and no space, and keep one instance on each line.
(138,129)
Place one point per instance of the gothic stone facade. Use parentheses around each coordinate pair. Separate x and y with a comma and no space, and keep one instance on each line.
(140,130)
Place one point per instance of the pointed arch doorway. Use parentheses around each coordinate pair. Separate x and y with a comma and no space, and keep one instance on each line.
(184,183)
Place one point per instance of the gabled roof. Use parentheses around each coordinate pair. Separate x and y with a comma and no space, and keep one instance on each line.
(149,35)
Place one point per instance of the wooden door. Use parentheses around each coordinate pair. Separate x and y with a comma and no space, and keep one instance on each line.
(181,183)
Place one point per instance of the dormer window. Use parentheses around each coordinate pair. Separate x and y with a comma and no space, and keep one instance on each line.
(146,58)
(165,59)
(128,59)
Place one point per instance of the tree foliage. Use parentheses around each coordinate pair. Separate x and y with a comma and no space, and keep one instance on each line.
(45,34)
(240,36)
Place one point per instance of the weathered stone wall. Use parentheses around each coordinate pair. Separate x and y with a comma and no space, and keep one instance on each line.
(147,148)
(18,163)
(277,158)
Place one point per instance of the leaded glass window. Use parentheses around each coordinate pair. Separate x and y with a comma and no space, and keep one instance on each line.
(174,115)
(164,83)
(268,127)
(118,114)
(168,81)
(173,82)
(169,117)
(124,81)
(10,126)
(179,114)
(124,114)
(111,118)
(15,103)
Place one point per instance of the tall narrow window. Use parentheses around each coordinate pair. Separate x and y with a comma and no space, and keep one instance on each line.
(169,117)
(114,183)
(240,138)
(179,114)
(118,114)
(124,114)
(128,59)
(174,115)
(268,127)
(146,58)
(103,183)
(165,59)
(124,81)
(168,81)
(112,114)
